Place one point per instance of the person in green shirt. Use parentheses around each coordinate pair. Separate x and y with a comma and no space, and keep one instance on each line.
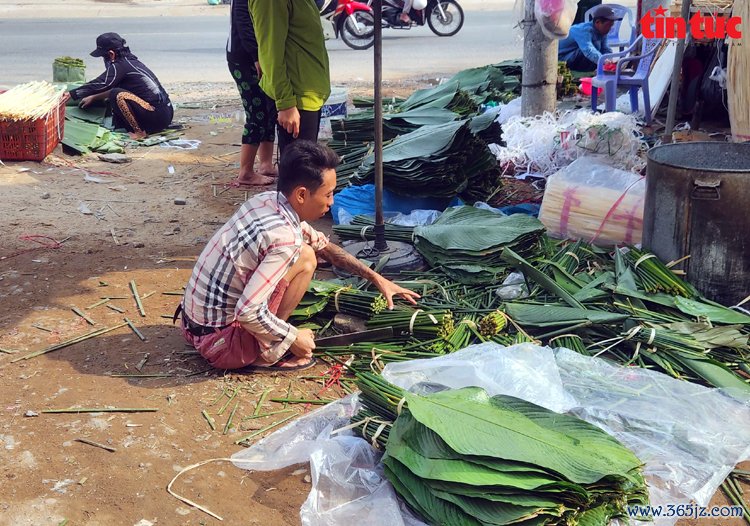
(294,61)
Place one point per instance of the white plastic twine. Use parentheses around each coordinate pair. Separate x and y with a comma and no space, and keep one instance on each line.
(400,406)
(643,258)
(545,143)
(336,298)
(411,321)
(363,232)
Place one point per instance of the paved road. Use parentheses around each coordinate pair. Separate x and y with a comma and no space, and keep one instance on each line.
(185,49)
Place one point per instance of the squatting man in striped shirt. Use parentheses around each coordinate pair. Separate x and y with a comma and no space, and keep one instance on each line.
(256,268)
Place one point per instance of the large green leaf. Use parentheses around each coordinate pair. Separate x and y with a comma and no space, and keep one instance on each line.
(425,442)
(472,423)
(713,372)
(463,471)
(715,313)
(553,315)
(473,230)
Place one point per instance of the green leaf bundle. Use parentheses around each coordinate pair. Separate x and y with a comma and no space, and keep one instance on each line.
(461,457)
(468,242)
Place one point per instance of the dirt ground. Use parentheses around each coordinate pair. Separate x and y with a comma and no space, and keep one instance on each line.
(54,257)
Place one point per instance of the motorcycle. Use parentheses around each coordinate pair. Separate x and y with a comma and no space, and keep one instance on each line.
(352,21)
(444,17)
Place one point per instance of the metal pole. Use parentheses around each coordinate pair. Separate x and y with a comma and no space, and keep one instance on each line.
(538,90)
(380,243)
(674,85)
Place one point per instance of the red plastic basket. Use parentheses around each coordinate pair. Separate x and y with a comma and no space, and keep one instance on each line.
(32,140)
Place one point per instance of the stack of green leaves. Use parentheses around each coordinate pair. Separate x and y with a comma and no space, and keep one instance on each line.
(462,457)
(467,242)
(434,161)
(86,137)
(460,96)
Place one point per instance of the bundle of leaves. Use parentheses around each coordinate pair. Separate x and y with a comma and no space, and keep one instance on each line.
(461,457)
(467,242)
(434,161)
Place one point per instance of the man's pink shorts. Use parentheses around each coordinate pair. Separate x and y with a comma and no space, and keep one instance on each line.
(233,347)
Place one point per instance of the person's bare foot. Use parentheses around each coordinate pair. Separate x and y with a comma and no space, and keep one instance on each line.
(268,169)
(289,361)
(253,179)
(137,136)
(405,18)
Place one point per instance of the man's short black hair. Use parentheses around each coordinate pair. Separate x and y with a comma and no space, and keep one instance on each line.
(302,164)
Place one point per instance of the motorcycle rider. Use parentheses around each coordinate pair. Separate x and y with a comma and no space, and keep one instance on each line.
(405,12)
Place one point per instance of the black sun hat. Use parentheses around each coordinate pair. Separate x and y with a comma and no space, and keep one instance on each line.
(107,41)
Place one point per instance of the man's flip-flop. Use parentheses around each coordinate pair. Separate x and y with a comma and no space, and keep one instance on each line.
(281,368)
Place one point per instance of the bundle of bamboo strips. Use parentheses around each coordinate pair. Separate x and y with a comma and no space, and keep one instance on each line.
(595,203)
(29,101)
(738,85)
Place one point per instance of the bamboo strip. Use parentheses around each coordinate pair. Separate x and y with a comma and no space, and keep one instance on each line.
(82,315)
(66,343)
(209,420)
(135,330)
(30,101)
(263,430)
(95,444)
(136,296)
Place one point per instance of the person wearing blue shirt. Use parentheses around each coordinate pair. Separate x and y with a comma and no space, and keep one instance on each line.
(587,41)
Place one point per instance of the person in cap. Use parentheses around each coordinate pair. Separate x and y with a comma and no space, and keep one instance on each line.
(259,132)
(138,101)
(294,61)
(256,269)
(587,41)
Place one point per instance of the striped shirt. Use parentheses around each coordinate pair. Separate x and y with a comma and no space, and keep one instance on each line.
(240,267)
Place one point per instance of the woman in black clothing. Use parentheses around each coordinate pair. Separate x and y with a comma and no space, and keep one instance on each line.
(137,99)
(260,111)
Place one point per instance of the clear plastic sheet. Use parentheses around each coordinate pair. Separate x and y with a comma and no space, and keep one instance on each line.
(348,485)
(690,437)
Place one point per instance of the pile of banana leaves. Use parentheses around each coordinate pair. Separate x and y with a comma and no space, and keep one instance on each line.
(460,96)
(86,137)
(467,242)
(463,457)
(456,163)
(435,161)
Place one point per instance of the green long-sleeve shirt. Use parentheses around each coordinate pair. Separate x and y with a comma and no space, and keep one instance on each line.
(291,52)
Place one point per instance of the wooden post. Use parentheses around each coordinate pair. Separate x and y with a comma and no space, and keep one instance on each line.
(674,85)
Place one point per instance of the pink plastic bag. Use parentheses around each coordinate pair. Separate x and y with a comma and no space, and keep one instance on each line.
(555,16)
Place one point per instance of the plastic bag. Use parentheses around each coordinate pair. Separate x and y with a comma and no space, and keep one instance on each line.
(513,287)
(595,202)
(555,16)
(348,485)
